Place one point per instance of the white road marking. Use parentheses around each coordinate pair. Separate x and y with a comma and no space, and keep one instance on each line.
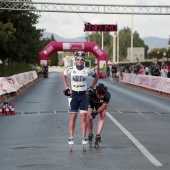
(158,113)
(119,111)
(145,152)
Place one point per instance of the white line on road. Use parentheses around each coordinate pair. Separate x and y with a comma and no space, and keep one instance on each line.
(158,113)
(119,111)
(145,152)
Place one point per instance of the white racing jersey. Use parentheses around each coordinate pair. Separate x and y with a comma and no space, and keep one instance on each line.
(79,77)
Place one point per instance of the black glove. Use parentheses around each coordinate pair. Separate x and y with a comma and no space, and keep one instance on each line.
(67,91)
(93,114)
(90,90)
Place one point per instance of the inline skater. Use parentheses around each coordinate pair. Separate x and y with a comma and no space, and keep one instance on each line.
(98,100)
(78,95)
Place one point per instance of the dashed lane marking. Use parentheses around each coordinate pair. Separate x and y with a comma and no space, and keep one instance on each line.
(145,152)
(119,111)
(158,113)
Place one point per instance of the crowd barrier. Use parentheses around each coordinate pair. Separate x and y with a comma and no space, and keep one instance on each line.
(14,85)
(160,85)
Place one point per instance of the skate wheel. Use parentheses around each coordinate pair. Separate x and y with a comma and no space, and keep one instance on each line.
(84,148)
(96,145)
(90,144)
(71,148)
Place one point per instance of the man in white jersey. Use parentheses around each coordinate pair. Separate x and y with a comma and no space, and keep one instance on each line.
(79,98)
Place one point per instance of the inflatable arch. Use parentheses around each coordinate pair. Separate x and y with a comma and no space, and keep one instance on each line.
(53,46)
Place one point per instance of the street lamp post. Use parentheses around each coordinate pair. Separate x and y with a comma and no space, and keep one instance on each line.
(117,46)
(131,56)
(114,47)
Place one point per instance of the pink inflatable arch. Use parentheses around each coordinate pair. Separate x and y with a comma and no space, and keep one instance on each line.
(53,46)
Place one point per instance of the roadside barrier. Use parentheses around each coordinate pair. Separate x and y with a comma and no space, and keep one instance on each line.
(14,85)
(157,85)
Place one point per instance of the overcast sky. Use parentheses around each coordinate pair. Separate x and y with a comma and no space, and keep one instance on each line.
(70,25)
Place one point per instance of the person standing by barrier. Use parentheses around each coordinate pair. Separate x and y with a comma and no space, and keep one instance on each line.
(78,94)
(168,75)
(142,70)
(45,71)
(104,71)
(164,70)
(98,100)
(114,72)
(108,72)
(156,71)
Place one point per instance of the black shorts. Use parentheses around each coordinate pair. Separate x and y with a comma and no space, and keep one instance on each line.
(79,100)
(93,105)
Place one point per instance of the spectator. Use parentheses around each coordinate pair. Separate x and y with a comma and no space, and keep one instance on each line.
(137,68)
(152,68)
(114,71)
(168,75)
(122,70)
(108,71)
(164,70)
(132,67)
(45,71)
(104,70)
(39,71)
(142,70)
(147,70)
(156,71)
(127,69)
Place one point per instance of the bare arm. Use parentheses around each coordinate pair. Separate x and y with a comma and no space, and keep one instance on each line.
(101,108)
(64,78)
(95,81)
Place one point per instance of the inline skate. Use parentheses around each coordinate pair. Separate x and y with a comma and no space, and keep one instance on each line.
(97,141)
(90,139)
(71,143)
(84,142)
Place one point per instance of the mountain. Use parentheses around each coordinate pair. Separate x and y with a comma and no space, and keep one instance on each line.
(156,42)
(152,42)
(61,39)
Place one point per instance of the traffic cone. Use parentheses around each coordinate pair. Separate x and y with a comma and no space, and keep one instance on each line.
(1,111)
(7,113)
(11,109)
(4,108)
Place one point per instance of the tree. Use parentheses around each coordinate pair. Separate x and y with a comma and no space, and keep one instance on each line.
(125,42)
(6,32)
(25,42)
(97,37)
(157,53)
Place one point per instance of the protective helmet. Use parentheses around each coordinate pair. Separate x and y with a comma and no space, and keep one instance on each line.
(80,53)
(101,88)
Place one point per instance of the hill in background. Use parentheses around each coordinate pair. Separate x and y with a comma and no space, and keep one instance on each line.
(152,42)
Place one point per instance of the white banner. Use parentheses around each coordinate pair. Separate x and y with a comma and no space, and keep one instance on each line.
(161,84)
(15,82)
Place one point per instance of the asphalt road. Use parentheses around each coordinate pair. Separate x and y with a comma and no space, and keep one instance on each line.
(136,135)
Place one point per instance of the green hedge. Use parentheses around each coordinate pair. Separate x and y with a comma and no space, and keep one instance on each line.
(14,68)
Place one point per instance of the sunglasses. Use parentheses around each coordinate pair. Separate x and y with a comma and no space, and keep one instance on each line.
(80,59)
